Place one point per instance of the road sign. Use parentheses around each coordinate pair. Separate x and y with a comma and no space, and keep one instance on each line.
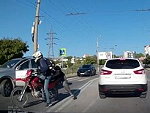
(63,52)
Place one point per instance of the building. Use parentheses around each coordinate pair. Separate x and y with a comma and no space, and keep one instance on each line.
(147,50)
(129,54)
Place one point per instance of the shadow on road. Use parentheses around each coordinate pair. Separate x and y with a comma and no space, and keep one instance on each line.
(33,103)
(62,96)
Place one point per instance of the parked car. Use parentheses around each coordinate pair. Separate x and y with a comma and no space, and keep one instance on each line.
(13,72)
(86,70)
(122,76)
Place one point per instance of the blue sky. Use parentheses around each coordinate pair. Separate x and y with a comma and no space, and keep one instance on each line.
(114,22)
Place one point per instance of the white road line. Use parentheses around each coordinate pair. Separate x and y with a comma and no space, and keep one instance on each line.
(73,78)
(68,100)
(83,79)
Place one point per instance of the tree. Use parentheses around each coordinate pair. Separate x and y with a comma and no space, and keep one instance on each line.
(138,55)
(90,60)
(11,48)
(147,60)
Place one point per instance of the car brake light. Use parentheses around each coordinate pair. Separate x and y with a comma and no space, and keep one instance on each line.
(141,71)
(105,72)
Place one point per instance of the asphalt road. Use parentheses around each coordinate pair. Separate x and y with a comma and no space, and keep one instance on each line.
(37,106)
(88,101)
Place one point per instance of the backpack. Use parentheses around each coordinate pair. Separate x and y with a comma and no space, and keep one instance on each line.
(51,66)
(50,63)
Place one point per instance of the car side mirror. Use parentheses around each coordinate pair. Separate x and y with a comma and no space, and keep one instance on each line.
(18,67)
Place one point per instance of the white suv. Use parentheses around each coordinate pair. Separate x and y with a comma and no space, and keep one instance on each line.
(122,75)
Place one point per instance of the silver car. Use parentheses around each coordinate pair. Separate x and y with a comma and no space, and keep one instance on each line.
(13,72)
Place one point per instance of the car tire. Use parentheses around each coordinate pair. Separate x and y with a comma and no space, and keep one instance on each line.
(102,95)
(6,88)
(143,95)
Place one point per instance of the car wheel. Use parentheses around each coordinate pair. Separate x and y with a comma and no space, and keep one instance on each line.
(95,73)
(102,95)
(6,87)
(143,95)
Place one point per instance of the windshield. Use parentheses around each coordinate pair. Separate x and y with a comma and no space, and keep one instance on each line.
(10,63)
(122,64)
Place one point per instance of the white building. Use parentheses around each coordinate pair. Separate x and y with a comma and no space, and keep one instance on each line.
(147,50)
(129,54)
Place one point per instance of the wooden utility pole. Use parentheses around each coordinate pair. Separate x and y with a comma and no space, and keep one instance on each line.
(36,23)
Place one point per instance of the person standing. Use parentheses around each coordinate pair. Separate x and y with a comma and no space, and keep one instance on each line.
(44,70)
(59,73)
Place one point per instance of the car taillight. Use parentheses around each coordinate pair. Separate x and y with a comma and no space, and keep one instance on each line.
(105,72)
(141,71)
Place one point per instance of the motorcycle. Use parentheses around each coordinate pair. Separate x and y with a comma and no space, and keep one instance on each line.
(34,86)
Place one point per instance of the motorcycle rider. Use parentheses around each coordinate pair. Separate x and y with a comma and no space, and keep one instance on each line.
(59,73)
(44,70)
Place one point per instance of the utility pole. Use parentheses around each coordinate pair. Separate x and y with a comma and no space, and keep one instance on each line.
(51,44)
(36,23)
(97,50)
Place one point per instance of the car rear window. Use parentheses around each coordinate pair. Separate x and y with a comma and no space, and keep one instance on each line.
(122,64)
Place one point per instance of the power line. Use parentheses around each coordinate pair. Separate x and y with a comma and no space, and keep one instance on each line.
(27,3)
(31,4)
(141,10)
(76,13)
(55,6)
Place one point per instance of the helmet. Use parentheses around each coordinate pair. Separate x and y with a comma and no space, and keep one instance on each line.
(37,55)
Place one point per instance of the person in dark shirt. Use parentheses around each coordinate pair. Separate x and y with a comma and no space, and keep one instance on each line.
(59,73)
(44,70)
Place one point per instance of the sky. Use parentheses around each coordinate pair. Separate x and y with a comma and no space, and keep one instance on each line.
(117,25)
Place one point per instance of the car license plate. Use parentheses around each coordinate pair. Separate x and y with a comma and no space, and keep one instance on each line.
(122,77)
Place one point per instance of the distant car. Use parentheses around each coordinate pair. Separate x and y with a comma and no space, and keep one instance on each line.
(13,72)
(122,76)
(86,70)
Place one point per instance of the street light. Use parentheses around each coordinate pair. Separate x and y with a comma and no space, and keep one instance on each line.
(113,49)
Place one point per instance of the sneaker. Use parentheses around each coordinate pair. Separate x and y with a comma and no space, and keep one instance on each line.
(73,97)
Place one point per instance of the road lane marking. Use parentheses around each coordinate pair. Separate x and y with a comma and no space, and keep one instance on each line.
(73,78)
(65,102)
(83,79)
